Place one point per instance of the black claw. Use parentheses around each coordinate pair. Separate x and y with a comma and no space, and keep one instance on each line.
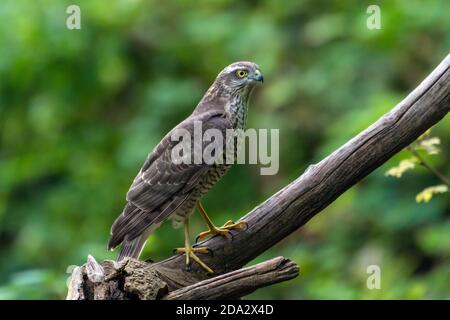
(196,239)
(188,267)
(174,251)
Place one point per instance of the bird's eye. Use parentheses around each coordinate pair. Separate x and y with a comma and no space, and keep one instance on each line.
(241,73)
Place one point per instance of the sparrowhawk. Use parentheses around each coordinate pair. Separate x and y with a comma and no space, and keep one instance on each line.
(166,189)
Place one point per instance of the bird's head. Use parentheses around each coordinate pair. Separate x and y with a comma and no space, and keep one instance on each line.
(240,77)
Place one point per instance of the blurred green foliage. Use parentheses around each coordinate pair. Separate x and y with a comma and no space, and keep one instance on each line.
(80,110)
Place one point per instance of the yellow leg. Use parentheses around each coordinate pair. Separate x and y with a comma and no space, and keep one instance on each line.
(190,251)
(213,230)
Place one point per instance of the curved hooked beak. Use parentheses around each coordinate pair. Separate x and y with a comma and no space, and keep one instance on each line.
(258,76)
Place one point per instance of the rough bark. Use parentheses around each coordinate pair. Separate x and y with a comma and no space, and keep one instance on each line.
(320,185)
(238,283)
(133,279)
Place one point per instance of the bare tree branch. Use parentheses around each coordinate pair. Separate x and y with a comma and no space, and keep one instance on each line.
(321,184)
(236,284)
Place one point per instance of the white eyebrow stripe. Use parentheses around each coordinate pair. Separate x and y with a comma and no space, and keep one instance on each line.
(234,68)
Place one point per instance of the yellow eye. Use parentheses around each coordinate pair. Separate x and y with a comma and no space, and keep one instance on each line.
(241,73)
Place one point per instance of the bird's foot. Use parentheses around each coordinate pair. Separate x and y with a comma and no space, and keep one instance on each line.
(224,230)
(190,253)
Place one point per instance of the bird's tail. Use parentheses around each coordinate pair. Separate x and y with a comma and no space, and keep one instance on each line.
(132,248)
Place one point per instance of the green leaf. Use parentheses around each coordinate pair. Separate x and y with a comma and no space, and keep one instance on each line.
(429,145)
(403,166)
(428,193)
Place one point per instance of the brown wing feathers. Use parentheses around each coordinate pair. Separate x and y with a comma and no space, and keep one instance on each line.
(160,187)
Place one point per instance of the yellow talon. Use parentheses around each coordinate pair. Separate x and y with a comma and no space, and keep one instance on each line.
(213,230)
(224,230)
(189,251)
(238,225)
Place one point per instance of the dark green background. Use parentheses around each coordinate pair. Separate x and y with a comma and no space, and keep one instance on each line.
(80,110)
